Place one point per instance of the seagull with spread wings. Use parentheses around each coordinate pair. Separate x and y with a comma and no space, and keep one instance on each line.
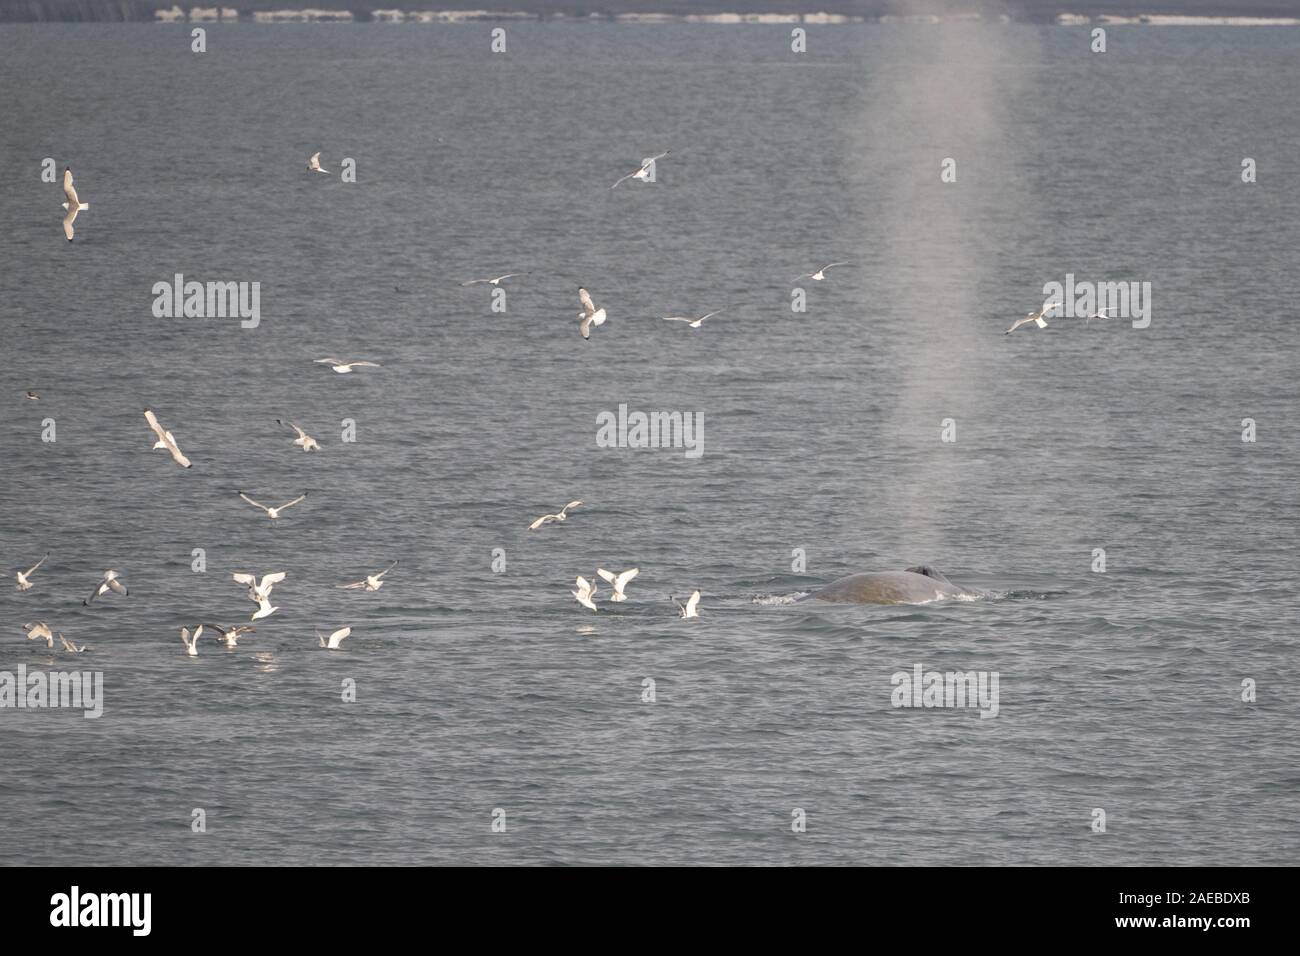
(22,576)
(273,513)
(371,582)
(304,440)
(645,172)
(165,439)
(313,164)
(111,582)
(561,515)
(335,640)
(589,315)
(73,205)
(691,323)
(820,273)
(498,280)
(343,368)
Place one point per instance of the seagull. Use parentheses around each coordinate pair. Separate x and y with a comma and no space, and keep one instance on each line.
(165,439)
(691,323)
(111,580)
(191,643)
(313,164)
(334,639)
(563,513)
(40,630)
(264,609)
(344,367)
(259,590)
(497,280)
(69,646)
(643,173)
(589,315)
(820,273)
(229,635)
(73,205)
(618,581)
(273,513)
(306,441)
(1035,317)
(22,576)
(689,608)
(370,582)
(586,591)
(1099,314)
(31,395)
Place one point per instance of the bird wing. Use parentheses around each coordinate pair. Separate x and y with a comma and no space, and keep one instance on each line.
(832,266)
(677,318)
(351,586)
(609,576)
(116,585)
(366,364)
(710,315)
(653,158)
(68,217)
(628,176)
(692,601)
(291,503)
(158,430)
(386,570)
(337,637)
(585,327)
(36,565)
(256,504)
(620,582)
(588,307)
(273,578)
(475,281)
(242,578)
(174,450)
(328,361)
(584,586)
(70,191)
(540,521)
(572,504)
(315,159)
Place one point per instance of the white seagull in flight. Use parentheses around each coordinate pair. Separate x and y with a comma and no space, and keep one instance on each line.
(1099,314)
(73,205)
(191,643)
(344,367)
(273,513)
(335,639)
(589,315)
(371,582)
(165,439)
(561,515)
(22,576)
(498,280)
(586,591)
(259,590)
(820,273)
(306,441)
(39,630)
(313,164)
(264,609)
(689,608)
(618,581)
(111,582)
(1035,317)
(691,323)
(643,173)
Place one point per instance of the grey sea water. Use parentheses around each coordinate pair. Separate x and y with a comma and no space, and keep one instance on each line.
(478,690)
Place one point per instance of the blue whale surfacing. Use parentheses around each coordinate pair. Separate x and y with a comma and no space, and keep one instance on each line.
(916,585)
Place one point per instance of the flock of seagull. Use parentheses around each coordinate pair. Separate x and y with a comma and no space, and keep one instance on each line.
(259,589)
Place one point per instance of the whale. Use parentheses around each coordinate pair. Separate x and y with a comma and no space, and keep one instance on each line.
(916,585)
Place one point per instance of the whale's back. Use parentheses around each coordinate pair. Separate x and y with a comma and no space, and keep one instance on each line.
(889,587)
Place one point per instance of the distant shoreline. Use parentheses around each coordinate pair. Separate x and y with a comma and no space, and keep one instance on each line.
(1064,12)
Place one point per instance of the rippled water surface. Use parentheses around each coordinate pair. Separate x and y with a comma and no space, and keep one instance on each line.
(822,431)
